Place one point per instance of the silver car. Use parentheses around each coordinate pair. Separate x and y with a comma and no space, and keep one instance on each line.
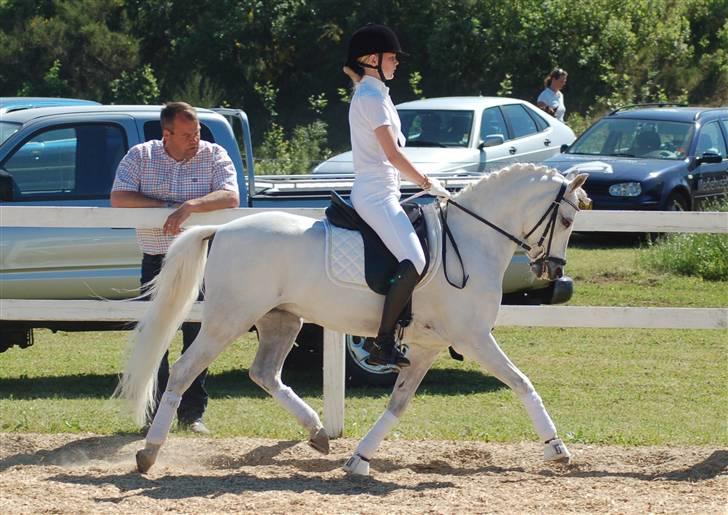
(470,135)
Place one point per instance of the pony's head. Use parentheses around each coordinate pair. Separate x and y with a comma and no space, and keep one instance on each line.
(549,238)
(532,205)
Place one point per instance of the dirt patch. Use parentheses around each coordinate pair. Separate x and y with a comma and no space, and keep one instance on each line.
(87,473)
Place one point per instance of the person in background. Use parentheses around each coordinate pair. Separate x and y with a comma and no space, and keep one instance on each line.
(192,176)
(551,98)
(376,141)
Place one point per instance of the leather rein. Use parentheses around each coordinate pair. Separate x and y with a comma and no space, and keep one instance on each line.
(548,231)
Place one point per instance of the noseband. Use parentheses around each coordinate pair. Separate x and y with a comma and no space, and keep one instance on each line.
(540,260)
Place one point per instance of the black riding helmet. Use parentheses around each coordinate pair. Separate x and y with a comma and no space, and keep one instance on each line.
(371,39)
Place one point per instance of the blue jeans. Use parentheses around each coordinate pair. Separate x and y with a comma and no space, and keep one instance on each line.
(194,400)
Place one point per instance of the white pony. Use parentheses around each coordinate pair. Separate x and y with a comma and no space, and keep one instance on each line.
(268,270)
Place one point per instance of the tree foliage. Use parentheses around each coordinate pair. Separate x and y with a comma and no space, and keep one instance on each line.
(216,51)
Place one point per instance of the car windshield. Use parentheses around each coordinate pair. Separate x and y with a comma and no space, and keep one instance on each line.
(436,128)
(630,137)
(7,129)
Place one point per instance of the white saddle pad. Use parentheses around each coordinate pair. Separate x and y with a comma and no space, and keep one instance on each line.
(345,253)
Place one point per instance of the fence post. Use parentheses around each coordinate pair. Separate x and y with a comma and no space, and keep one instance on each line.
(334,380)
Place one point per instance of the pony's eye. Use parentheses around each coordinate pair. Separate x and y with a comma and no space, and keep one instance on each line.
(567,223)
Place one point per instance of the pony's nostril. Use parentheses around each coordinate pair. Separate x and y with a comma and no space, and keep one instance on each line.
(559,273)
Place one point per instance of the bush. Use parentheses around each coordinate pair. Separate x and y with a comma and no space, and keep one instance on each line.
(695,254)
(297,155)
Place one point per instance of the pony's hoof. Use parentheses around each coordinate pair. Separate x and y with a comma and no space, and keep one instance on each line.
(357,465)
(319,440)
(146,457)
(555,450)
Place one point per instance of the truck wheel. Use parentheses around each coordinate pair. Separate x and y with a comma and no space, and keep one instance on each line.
(358,372)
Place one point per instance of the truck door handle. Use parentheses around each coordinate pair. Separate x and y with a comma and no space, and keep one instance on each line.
(512,150)
(547,142)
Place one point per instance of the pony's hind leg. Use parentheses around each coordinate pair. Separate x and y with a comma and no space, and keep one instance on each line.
(490,356)
(277,331)
(408,381)
(211,340)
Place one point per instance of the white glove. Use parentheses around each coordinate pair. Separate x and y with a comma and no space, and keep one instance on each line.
(436,189)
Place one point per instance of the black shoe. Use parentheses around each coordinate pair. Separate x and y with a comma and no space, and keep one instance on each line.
(384,351)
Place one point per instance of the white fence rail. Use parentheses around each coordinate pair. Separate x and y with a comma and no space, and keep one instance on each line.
(602,221)
(546,316)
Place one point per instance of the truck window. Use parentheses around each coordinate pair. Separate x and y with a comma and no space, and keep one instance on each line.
(153,130)
(76,162)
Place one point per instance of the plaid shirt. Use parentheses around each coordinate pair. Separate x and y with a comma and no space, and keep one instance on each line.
(149,170)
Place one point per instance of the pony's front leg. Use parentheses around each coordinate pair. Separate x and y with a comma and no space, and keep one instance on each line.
(408,381)
(277,331)
(490,356)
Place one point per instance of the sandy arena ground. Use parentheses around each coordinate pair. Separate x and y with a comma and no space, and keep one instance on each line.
(96,474)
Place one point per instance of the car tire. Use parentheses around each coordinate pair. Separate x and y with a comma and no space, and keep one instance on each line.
(677,202)
(309,353)
(359,373)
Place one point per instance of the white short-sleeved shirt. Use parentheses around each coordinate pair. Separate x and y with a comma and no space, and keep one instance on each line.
(555,100)
(148,169)
(370,109)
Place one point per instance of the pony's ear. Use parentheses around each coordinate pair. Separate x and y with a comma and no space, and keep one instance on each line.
(578,181)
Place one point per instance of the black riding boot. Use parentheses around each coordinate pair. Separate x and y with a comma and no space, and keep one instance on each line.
(383,350)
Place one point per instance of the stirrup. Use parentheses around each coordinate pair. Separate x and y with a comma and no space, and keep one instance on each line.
(380,353)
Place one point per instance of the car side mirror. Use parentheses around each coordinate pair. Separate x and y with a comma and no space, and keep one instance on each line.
(709,157)
(492,140)
(564,148)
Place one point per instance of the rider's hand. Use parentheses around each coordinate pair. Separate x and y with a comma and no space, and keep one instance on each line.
(436,189)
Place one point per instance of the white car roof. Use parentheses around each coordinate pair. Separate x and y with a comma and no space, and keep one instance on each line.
(458,103)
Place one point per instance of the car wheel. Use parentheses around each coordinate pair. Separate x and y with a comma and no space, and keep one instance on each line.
(358,372)
(676,202)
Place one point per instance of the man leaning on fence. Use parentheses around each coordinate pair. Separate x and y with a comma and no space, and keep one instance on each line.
(192,176)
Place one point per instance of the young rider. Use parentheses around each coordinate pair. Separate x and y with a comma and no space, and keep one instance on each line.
(376,141)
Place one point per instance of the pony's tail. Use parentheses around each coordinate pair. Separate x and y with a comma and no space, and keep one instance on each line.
(173,292)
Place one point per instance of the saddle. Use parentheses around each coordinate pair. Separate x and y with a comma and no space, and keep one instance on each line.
(379,263)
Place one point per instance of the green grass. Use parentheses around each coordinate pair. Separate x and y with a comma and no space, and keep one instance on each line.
(632,387)
(701,255)
(612,273)
(602,386)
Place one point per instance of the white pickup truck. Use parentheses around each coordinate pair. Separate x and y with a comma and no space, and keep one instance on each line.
(67,156)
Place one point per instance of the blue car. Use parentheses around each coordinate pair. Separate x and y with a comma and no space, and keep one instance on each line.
(652,157)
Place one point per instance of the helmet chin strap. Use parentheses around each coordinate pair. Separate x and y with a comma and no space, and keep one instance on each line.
(378,67)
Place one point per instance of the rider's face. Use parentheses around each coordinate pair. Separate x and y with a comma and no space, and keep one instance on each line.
(389,64)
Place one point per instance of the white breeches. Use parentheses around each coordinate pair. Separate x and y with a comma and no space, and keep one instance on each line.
(376,200)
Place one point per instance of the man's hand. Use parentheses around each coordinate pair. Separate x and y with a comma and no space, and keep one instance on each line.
(173,224)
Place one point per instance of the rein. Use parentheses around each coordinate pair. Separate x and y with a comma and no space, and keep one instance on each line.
(552,210)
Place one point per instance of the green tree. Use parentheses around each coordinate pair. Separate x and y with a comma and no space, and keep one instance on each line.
(136,87)
(89,38)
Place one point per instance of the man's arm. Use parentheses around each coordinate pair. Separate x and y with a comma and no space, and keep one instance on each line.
(123,198)
(220,199)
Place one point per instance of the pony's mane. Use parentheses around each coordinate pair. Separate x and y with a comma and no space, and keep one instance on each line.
(509,173)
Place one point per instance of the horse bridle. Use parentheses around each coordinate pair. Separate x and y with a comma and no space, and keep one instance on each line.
(541,260)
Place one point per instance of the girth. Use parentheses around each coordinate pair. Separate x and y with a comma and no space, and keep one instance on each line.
(380,264)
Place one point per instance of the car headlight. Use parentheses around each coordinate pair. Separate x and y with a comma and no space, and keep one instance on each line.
(625,189)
